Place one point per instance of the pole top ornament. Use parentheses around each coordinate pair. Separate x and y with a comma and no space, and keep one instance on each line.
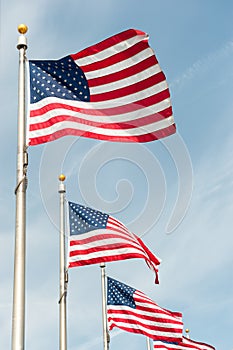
(62,177)
(22,28)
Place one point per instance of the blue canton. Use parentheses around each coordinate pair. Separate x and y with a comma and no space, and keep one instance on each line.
(84,219)
(120,294)
(61,78)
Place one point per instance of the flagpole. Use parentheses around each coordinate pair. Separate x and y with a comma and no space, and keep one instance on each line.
(63,270)
(18,316)
(148,343)
(106,336)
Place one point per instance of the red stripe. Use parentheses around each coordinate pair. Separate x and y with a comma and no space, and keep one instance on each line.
(102,237)
(163,318)
(139,331)
(142,298)
(116,58)
(108,248)
(150,255)
(122,231)
(198,343)
(174,346)
(162,346)
(98,260)
(141,138)
(155,308)
(119,232)
(113,40)
(130,107)
(125,73)
(112,222)
(128,90)
(136,123)
(151,328)
(118,228)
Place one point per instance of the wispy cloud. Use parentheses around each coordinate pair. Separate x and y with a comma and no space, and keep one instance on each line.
(203,64)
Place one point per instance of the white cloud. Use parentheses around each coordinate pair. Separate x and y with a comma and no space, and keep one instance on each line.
(203,64)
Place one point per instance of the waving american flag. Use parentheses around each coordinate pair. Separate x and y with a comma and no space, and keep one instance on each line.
(114,90)
(132,311)
(96,237)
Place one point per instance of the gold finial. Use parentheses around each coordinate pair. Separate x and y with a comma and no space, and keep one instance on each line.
(187,330)
(62,177)
(22,28)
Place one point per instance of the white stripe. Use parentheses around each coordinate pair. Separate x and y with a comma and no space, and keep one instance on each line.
(103,243)
(122,229)
(141,299)
(119,66)
(108,52)
(149,331)
(154,313)
(147,73)
(117,222)
(137,131)
(134,115)
(119,228)
(98,235)
(47,100)
(102,254)
(101,232)
(170,328)
(137,96)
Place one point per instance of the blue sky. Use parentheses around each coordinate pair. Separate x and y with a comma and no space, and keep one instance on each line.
(139,184)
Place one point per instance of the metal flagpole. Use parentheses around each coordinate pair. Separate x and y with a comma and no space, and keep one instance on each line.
(148,343)
(18,316)
(106,336)
(63,270)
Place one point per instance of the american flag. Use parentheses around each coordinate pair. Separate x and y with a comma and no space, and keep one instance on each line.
(114,90)
(132,311)
(184,345)
(96,237)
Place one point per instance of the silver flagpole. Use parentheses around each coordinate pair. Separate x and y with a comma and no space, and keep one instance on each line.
(148,343)
(63,271)
(18,316)
(106,336)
